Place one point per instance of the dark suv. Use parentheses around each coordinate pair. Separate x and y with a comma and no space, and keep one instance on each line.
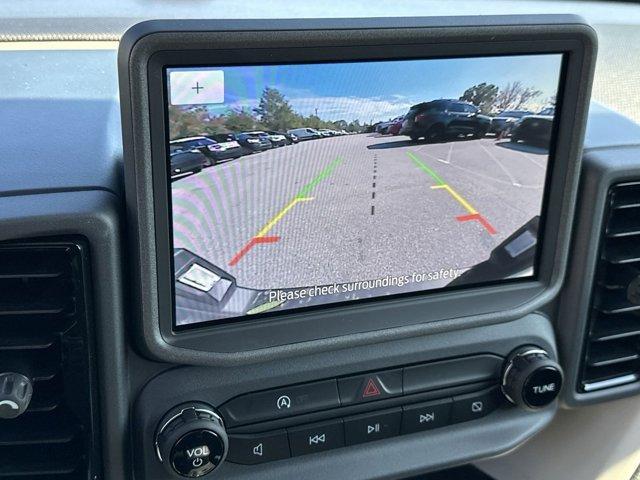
(440,119)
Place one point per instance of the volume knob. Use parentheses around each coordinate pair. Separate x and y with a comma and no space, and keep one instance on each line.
(530,378)
(15,394)
(191,440)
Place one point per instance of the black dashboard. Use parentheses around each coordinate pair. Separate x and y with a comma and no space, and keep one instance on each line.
(90,274)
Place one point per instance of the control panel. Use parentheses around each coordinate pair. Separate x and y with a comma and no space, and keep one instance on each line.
(353,429)
(193,439)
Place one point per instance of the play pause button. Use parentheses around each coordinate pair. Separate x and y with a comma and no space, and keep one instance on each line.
(372,426)
(425,416)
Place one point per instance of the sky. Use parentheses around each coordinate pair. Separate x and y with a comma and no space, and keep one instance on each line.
(375,91)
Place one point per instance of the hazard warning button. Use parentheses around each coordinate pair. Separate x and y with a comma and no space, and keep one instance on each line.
(370,387)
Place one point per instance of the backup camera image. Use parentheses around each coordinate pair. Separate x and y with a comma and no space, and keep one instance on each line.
(302,185)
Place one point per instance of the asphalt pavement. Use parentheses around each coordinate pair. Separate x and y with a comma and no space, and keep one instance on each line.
(358,207)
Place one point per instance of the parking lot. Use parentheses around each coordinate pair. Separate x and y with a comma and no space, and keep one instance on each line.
(357,207)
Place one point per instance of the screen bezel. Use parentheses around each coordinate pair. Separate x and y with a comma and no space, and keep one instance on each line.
(150,46)
(280,313)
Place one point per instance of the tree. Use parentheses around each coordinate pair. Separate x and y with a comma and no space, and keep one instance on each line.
(182,122)
(354,126)
(274,110)
(340,125)
(240,120)
(515,95)
(193,121)
(272,113)
(482,95)
(313,121)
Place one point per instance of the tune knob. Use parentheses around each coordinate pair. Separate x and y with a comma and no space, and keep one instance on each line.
(15,394)
(530,378)
(191,440)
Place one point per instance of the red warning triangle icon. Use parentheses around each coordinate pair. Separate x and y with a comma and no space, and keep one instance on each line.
(371,390)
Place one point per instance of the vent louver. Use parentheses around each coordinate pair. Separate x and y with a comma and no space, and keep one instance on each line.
(45,335)
(612,349)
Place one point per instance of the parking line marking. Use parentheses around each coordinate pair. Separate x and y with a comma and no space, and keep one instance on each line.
(531,159)
(302,196)
(514,182)
(448,160)
(427,154)
(492,179)
(458,197)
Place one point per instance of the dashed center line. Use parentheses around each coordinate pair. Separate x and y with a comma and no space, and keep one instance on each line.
(373,193)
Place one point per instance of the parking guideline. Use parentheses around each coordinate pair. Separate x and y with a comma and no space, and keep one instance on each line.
(278,216)
(457,196)
(423,167)
(442,185)
(302,196)
(318,178)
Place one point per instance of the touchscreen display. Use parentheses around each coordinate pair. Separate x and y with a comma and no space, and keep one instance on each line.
(297,186)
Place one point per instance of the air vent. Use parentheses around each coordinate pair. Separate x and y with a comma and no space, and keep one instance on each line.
(45,335)
(612,349)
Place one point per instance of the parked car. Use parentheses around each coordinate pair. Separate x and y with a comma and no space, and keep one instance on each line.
(185,161)
(290,138)
(506,120)
(325,132)
(277,140)
(229,146)
(233,137)
(305,133)
(439,119)
(548,111)
(534,130)
(395,126)
(208,147)
(384,127)
(253,142)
